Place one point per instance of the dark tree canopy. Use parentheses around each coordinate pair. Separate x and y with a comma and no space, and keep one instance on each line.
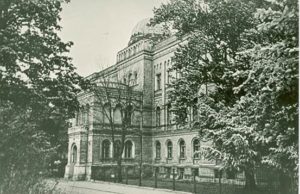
(34,67)
(38,87)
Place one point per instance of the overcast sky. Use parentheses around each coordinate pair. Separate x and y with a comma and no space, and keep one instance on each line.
(100,28)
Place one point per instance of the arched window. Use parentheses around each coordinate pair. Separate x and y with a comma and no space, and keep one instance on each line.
(128,149)
(169,149)
(74,154)
(196,147)
(105,148)
(157,149)
(158,116)
(182,149)
(117,148)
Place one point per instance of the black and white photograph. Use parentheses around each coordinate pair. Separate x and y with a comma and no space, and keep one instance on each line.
(149,96)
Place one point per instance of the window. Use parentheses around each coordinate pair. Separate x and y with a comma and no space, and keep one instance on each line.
(182,149)
(158,81)
(117,148)
(195,109)
(128,114)
(157,149)
(168,76)
(135,78)
(168,114)
(169,149)
(77,118)
(86,115)
(196,147)
(158,116)
(196,171)
(168,172)
(117,115)
(181,173)
(106,113)
(129,79)
(80,117)
(105,148)
(74,154)
(128,149)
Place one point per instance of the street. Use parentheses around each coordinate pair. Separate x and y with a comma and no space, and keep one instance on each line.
(99,187)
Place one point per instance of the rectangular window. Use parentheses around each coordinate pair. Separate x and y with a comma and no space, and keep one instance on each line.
(168,76)
(157,116)
(168,110)
(158,81)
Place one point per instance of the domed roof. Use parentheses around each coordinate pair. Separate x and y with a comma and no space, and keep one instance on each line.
(143,30)
(142,27)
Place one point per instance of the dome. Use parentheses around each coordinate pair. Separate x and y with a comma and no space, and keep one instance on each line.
(142,27)
(143,30)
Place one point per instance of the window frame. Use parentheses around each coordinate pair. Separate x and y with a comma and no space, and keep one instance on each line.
(196,156)
(157,150)
(74,154)
(158,116)
(128,151)
(169,149)
(182,149)
(106,149)
(158,81)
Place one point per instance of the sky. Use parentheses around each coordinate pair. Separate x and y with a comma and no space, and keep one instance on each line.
(101,28)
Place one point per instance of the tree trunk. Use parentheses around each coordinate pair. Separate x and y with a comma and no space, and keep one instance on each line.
(250,180)
(119,170)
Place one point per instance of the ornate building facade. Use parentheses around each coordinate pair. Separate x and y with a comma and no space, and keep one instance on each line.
(145,65)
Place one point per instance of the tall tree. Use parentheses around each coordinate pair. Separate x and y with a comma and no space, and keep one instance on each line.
(38,86)
(117,103)
(248,52)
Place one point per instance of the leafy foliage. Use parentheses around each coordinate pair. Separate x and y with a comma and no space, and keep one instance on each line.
(38,87)
(248,51)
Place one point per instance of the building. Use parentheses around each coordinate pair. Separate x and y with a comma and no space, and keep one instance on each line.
(145,65)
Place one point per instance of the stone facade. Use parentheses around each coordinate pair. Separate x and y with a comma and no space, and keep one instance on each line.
(145,65)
